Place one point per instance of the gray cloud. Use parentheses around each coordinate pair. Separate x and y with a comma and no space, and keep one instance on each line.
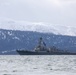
(50,11)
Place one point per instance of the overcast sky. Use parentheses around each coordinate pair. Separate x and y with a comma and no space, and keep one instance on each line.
(49,11)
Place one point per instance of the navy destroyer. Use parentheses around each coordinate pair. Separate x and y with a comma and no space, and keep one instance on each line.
(42,49)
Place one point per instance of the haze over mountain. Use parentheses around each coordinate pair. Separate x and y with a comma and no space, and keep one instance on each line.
(37,27)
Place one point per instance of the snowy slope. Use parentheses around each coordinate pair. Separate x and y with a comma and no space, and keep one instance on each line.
(13,40)
(10,24)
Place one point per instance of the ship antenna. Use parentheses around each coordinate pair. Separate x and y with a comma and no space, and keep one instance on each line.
(41,42)
(41,45)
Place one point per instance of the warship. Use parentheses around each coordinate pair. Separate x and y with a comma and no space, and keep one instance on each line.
(42,49)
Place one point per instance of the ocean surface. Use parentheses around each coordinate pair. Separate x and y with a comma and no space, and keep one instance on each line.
(38,65)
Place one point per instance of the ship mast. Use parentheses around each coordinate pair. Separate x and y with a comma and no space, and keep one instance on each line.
(41,45)
(41,42)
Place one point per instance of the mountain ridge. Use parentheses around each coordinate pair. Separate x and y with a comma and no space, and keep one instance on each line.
(12,40)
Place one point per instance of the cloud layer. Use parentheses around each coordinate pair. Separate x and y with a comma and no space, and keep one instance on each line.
(51,11)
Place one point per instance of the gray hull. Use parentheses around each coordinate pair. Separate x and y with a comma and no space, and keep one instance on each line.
(22,52)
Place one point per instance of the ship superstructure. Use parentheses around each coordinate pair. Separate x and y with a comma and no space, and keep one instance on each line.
(42,49)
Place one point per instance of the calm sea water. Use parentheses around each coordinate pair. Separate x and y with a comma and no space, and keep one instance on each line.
(38,65)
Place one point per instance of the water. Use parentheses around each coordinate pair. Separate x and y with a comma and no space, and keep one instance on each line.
(38,65)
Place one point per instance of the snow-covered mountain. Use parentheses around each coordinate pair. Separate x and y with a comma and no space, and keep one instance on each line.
(11,40)
(37,26)
(24,35)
